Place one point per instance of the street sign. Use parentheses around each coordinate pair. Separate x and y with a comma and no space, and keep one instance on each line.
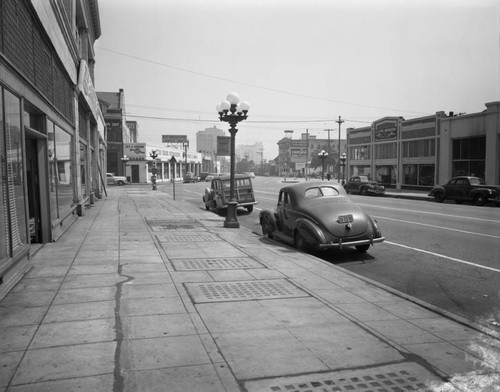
(223,145)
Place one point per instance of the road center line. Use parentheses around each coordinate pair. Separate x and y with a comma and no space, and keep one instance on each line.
(430,212)
(436,227)
(443,256)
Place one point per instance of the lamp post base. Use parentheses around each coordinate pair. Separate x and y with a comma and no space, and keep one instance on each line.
(231,217)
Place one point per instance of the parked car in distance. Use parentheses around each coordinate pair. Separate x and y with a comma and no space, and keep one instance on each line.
(317,215)
(364,186)
(217,196)
(466,188)
(190,177)
(203,175)
(111,179)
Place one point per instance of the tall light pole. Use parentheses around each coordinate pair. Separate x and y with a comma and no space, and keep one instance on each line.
(186,146)
(125,159)
(340,121)
(343,158)
(322,155)
(329,148)
(232,111)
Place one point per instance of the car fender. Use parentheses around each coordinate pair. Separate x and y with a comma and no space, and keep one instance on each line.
(485,191)
(310,232)
(435,190)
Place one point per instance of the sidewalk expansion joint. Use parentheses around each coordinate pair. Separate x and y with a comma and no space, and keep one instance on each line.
(119,382)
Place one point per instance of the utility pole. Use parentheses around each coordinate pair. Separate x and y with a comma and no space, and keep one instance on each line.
(339,121)
(329,149)
(307,152)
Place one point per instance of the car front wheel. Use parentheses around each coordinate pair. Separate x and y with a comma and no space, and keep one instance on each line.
(480,200)
(249,208)
(299,242)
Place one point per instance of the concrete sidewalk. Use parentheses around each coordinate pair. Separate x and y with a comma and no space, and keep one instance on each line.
(145,293)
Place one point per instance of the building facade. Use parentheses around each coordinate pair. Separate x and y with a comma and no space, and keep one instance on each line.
(52,129)
(421,152)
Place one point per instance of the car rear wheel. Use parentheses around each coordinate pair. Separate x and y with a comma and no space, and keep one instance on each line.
(362,248)
(121,183)
(439,197)
(363,191)
(480,199)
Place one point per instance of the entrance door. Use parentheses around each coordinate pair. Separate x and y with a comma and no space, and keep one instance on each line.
(135,174)
(32,179)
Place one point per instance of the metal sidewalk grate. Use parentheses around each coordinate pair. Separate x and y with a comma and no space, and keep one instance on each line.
(215,264)
(243,290)
(390,378)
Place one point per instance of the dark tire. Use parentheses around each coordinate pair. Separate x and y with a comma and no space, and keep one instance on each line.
(439,197)
(249,208)
(480,200)
(298,242)
(362,191)
(459,201)
(120,183)
(362,248)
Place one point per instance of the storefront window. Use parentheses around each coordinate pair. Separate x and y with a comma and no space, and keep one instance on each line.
(415,174)
(3,187)
(51,151)
(13,189)
(62,164)
(386,174)
(83,169)
(360,170)
(469,157)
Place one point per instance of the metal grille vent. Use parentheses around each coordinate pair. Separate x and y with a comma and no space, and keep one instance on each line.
(243,290)
(215,264)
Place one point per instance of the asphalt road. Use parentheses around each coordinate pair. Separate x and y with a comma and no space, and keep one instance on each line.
(446,254)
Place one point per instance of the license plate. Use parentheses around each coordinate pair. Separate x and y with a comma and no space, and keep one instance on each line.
(345,218)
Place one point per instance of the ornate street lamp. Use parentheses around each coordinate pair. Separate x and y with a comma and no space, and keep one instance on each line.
(322,155)
(154,154)
(185,145)
(343,158)
(232,111)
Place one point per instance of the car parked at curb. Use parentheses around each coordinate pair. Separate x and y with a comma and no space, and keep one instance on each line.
(466,188)
(111,179)
(190,177)
(364,186)
(319,216)
(217,196)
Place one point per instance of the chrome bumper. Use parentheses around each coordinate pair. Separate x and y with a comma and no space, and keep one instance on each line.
(340,244)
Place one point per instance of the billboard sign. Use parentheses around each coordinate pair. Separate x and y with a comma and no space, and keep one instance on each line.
(297,151)
(174,139)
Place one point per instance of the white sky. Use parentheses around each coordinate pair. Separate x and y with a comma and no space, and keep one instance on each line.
(300,63)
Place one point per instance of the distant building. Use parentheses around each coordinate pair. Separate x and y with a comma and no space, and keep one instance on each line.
(206,144)
(133,127)
(421,152)
(117,130)
(250,152)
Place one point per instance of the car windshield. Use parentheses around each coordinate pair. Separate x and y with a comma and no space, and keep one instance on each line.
(363,178)
(477,181)
(320,191)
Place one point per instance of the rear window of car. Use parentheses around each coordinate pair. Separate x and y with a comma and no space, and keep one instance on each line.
(321,191)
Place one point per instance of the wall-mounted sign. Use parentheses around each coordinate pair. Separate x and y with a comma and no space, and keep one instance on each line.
(386,130)
(224,145)
(174,139)
(135,150)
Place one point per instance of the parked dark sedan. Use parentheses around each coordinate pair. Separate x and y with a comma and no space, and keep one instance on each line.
(364,186)
(319,216)
(464,188)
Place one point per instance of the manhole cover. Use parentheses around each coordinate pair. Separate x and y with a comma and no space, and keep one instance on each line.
(215,264)
(391,378)
(243,290)
(189,238)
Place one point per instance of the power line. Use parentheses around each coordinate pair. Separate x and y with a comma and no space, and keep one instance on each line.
(254,85)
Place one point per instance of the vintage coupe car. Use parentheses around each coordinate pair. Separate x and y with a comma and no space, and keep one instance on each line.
(319,216)
(190,177)
(364,186)
(217,196)
(465,188)
(111,179)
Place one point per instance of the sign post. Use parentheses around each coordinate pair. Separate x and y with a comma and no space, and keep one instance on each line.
(173,161)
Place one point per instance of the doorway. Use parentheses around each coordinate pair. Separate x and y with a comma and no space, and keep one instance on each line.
(135,174)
